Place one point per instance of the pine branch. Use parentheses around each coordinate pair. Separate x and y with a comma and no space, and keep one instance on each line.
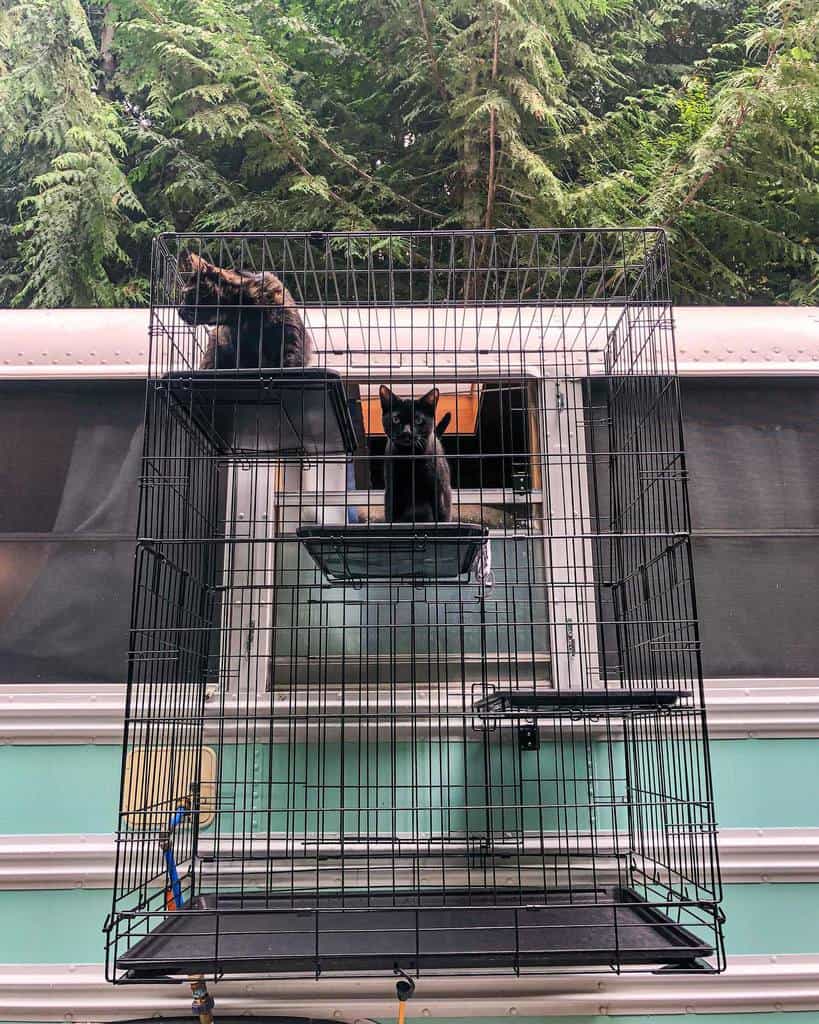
(733,131)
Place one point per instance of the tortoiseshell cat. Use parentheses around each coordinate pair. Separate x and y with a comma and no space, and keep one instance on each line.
(417,486)
(256,322)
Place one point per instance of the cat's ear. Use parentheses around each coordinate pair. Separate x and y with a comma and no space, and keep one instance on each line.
(192,263)
(430,399)
(387,397)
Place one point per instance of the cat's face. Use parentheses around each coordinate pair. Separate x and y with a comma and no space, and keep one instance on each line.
(408,422)
(207,291)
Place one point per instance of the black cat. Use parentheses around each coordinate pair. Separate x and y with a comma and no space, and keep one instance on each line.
(417,487)
(258,323)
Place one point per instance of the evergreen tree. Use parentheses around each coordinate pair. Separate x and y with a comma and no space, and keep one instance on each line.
(127,117)
(67,199)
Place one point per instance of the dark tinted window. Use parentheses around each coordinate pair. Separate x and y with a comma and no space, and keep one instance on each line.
(758,605)
(753,460)
(754,454)
(69,467)
(753,464)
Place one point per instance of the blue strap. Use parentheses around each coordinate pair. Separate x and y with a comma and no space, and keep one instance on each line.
(173,876)
(177,817)
(170,861)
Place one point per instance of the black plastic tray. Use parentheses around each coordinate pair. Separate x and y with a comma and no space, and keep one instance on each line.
(603,927)
(277,411)
(389,551)
(546,703)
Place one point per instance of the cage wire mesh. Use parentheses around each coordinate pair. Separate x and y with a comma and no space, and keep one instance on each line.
(379,720)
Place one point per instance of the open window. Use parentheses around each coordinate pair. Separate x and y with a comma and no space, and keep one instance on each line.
(524,611)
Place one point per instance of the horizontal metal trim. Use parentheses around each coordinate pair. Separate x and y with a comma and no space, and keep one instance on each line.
(685,368)
(75,861)
(75,371)
(62,538)
(715,341)
(60,861)
(59,713)
(808,531)
(42,992)
(737,368)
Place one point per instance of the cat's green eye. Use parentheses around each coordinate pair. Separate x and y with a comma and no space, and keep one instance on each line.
(396,418)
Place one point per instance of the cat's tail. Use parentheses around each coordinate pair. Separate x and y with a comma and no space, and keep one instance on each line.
(220,353)
(442,424)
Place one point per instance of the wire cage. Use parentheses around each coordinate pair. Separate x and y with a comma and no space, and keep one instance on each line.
(415,678)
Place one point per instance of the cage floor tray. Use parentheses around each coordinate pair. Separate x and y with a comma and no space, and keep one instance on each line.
(446,931)
(388,551)
(277,411)
(612,701)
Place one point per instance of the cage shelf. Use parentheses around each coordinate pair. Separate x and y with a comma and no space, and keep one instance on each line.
(387,551)
(257,412)
(546,703)
(441,930)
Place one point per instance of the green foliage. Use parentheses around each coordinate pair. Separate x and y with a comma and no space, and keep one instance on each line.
(62,162)
(123,118)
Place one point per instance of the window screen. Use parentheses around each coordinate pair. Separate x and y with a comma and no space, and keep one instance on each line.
(753,450)
(753,465)
(69,468)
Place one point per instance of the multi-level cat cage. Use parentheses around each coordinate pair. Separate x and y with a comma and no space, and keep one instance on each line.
(364,746)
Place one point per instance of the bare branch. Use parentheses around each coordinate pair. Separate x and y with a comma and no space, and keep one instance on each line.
(491,184)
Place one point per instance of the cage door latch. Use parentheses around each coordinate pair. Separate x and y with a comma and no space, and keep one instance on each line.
(571,640)
(528,736)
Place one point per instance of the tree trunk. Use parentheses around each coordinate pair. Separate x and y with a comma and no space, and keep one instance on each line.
(107,62)
(472,202)
(492,181)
